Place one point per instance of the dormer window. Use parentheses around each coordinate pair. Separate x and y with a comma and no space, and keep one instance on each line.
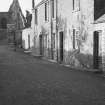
(53,12)
(76,5)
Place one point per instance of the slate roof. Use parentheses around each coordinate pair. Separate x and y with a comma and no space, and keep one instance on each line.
(100,19)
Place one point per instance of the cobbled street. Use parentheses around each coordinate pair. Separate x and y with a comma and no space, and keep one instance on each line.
(27,80)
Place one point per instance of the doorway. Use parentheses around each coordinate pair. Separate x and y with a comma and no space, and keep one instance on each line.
(53,46)
(29,41)
(97,50)
(41,44)
(61,45)
(4,23)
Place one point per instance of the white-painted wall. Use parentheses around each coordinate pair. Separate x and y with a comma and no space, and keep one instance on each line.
(25,39)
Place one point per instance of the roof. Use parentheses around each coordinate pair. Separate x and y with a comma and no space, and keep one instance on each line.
(40,3)
(100,19)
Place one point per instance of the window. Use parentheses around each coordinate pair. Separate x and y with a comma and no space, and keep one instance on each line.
(36,16)
(76,5)
(73,38)
(33,3)
(73,4)
(45,11)
(53,40)
(45,41)
(52,8)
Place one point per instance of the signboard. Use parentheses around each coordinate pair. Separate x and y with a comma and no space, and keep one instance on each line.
(11,27)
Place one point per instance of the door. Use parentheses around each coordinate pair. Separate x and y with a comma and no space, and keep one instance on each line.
(100,50)
(45,44)
(29,41)
(61,46)
(41,44)
(97,51)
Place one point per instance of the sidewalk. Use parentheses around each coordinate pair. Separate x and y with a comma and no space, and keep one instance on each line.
(95,71)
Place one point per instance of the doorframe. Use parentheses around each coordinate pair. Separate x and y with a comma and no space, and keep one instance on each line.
(96,50)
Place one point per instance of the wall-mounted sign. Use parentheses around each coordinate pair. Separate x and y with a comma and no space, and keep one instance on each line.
(11,27)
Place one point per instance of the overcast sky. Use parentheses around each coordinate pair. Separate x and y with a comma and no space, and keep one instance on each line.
(25,5)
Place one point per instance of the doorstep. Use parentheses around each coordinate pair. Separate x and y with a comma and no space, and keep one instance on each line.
(36,55)
(27,51)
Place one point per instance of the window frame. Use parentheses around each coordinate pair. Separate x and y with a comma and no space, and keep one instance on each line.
(76,5)
(36,16)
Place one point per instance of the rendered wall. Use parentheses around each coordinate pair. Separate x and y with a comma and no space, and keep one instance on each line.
(81,20)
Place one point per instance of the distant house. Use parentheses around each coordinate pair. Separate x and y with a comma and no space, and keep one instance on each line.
(64,31)
(16,18)
(27,35)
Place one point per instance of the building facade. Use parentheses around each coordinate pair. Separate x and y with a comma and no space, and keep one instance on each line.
(13,16)
(64,32)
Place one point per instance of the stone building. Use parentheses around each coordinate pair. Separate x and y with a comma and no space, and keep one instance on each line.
(13,16)
(4,20)
(64,31)
(18,20)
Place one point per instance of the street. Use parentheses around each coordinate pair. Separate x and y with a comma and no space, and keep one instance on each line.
(27,80)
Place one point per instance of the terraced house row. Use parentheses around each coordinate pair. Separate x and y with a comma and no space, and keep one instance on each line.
(71,32)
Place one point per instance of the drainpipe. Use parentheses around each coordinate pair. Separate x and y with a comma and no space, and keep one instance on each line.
(57,28)
(51,29)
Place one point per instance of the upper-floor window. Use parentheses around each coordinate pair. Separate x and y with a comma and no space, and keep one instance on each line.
(53,8)
(76,5)
(74,37)
(36,16)
(46,11)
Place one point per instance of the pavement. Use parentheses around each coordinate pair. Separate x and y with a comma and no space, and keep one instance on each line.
(27,80)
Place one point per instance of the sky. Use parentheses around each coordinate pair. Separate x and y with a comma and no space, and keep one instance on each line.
(25,5)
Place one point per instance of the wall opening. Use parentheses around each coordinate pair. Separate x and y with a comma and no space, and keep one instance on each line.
(61,45)
(4,23)
(97,50)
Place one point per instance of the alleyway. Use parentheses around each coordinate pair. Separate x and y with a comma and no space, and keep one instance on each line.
(25,80)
